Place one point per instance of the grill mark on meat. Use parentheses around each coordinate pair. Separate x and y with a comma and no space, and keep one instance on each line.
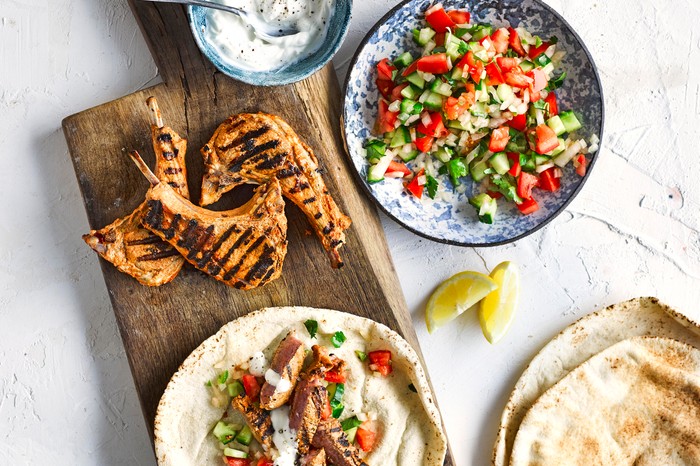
(318,215)
(328,228)
(207,255)
(154,216)
(234,270)
(309,200)
(259,420)
(151,239)
(245,138)
(252,151)
(170,232)
(172,170)
(169,155)
(203,239)
(154,256)
(174,184)
(165,137)
(332,439)
(336,242)
(288,172)
(272,162)
(263,264)
(240,241)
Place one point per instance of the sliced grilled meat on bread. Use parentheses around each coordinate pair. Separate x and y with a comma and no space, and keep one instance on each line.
(257,147)
(286,364)
(305,413)
(314,458)
(339,451)
(258,420)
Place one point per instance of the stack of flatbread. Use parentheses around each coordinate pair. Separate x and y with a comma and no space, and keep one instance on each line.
(619,387)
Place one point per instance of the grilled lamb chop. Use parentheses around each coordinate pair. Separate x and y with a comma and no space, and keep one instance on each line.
(286,362)
(254,148)
(243,248)
(305,412)
(258,420)
(314,458)
(126,243)
(331,438)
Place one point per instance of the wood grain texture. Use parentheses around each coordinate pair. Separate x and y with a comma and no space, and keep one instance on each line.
(161,326)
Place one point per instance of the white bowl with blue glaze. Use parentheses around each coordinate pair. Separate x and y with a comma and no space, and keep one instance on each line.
(295,71)
(454,221)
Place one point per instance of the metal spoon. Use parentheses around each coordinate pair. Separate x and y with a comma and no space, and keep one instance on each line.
(263,30)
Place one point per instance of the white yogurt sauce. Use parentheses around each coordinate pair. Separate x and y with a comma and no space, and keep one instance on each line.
(257,364)
(237,43)
(276,380)
(284,438)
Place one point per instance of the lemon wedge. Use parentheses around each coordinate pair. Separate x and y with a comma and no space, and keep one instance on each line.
(498,308)
(455,295)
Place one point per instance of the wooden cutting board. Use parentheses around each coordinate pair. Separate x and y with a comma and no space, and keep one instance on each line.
(161,326)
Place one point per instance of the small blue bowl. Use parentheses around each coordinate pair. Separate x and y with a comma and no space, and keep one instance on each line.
(454,221)
(297,71)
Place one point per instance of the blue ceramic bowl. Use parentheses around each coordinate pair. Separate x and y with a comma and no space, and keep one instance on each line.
(297,71)
(453,220)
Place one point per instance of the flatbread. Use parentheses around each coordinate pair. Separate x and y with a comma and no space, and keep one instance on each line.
(636,403)
(579,342)
(410,427)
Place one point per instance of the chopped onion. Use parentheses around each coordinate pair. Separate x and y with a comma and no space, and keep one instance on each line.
(412,119)
(594,139)
(557,173)
(425,118)
(539,116)
(544,167)
(551,50)
(564,158)
(422,180)
(393,175)
(429,47)
(593,148)
(395,106)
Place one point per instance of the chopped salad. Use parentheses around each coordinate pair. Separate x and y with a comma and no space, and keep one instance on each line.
(478,102)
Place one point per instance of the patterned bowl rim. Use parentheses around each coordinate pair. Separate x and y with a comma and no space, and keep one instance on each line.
(268,78)
(384,209)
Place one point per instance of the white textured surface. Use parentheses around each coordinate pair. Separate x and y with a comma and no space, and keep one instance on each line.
(633,230)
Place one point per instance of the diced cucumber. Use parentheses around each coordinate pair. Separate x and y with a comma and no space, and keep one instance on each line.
(411,92)
(479,109)
(505,92)
(423,36)
(236,388)
(569,120)
(456,124)
(542,60)
(457,73)
(556,125)
(411,107)
(541,159)
(239,446)
(375,173)
(244,436)
(433,101)
(408,156)
(499,162)
(440,87)
(231,453)
(444,154)
(526,65)
(350,434)
(403,60)
(527,163)
(481,31)
(224,432)
(560,149)
(415,79)
(478,171)
(401,137)
(486,207)
(375,151)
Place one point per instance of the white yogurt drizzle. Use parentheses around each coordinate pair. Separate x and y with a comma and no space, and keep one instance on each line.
(276,380)
(238,45)
(257,364)
(284,438)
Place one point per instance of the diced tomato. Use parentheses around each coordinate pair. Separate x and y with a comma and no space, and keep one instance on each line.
(459,16)
(506,63)
(326,412)
(439,39)
(365,438)
(494,194)
(385,69)
(526,181)
(535,51)
(396,92)
(487,43)
(546,139)
(552,101)
(435,128)
(528,206)
(381,359)
(500,40)
(499,139)
(539,80)
(402,170)
(548,181)
(415,188)
(473,66)
(265,462)
(424,144)
(514,42)
(581,163)
(535,96)
(385,118)
(516,78)
(251,386)
(518,122)
(385,87)
(515,169)
(494,74)
(456,106)
(437,63)
(439,19)
(410,69)
(237,461)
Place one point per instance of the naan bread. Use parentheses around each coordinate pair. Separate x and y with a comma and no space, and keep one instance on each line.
(636,403)
(411,431)
(576,344)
